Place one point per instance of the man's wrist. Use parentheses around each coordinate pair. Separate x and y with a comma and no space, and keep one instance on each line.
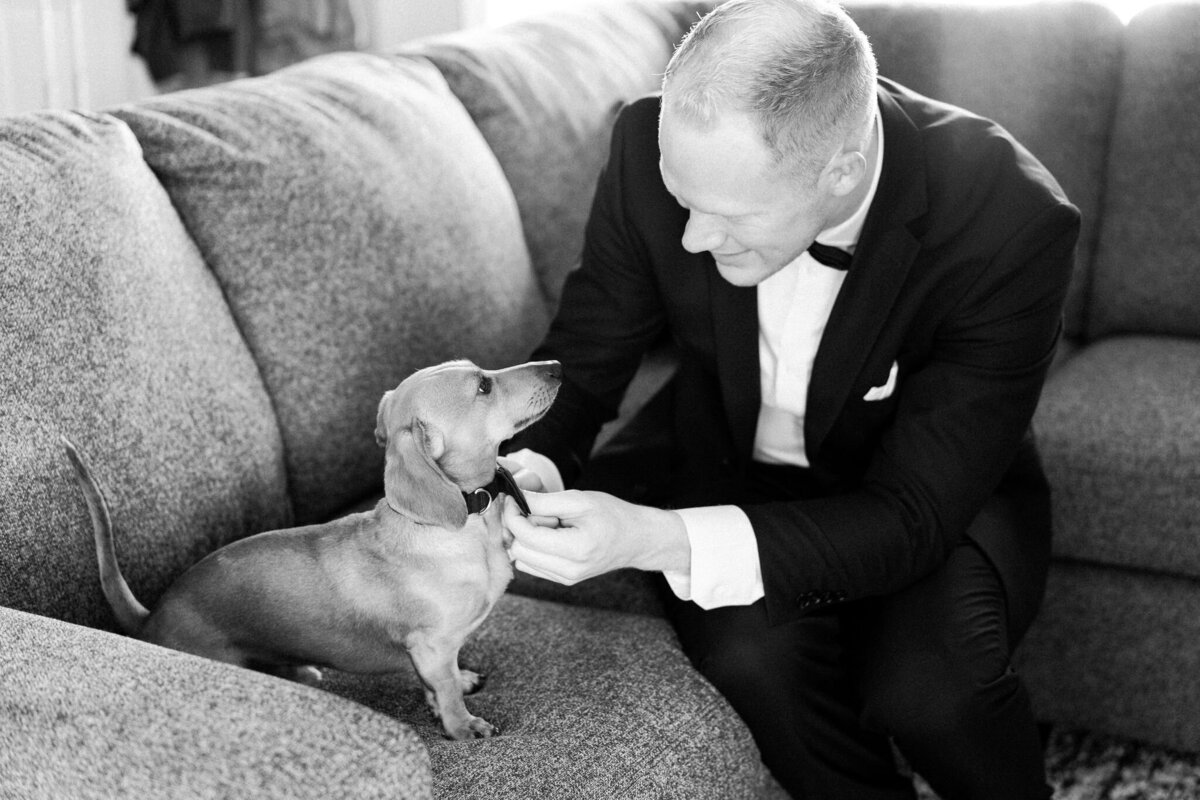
(671,550)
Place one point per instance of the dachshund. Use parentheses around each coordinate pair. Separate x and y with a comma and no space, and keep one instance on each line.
(409,580)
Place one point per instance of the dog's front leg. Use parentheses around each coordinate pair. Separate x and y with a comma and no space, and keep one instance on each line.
(436,663)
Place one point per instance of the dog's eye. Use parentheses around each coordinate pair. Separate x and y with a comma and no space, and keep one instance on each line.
(485,384)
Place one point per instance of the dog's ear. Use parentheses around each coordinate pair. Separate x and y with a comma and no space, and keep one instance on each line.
(380,426)
(414,484)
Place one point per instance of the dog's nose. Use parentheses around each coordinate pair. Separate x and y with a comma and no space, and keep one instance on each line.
(554,370)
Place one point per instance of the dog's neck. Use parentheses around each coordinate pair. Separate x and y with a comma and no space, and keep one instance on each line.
(481,499)
(477,501)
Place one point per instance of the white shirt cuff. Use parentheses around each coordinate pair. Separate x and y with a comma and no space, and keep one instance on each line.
(541,466)
(724,570)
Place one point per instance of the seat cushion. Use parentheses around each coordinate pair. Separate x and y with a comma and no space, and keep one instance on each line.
(628,590)
(589,703)
(1117,650)
(1119,431)
(545,92)
(86,714)
(361,229)
(114,332)
(1148,265)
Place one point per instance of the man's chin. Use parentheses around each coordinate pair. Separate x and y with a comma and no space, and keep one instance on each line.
(744,275)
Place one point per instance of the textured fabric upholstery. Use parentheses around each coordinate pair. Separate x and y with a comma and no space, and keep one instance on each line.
(1047,72)
(627,590)
(544,94)
(1119,653)
(1148,268)
(360,229)
(114,333)
(86,714)
(1119,431)
(560,681)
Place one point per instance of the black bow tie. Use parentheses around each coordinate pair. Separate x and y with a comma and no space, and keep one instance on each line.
(829,256)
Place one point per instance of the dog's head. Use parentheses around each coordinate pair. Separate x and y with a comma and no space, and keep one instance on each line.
(443,425)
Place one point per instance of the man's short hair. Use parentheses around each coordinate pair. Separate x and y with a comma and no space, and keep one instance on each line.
(802,69)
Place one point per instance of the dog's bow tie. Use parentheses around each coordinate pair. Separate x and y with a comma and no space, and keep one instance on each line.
(480,500)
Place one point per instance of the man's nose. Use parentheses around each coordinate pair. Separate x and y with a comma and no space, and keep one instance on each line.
(703,232)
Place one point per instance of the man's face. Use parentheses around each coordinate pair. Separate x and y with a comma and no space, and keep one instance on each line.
(741,208)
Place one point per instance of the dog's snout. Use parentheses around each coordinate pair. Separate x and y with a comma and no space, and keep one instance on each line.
(553,370)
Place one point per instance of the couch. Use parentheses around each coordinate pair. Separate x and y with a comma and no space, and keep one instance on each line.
(208,291)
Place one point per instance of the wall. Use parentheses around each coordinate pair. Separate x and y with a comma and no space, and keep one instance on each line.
(67,54)
(76,53)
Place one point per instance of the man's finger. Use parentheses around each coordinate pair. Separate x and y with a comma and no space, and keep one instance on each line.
(514,519)
(528,569)
(562,505)
(524,477)
(520,525)
(536,562)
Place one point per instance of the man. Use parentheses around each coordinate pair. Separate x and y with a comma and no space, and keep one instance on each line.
(857,528)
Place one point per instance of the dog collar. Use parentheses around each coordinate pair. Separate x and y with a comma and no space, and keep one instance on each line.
(481,499)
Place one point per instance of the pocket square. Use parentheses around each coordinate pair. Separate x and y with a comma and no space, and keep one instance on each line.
(885,391)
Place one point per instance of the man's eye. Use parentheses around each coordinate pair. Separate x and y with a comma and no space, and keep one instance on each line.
(485,384)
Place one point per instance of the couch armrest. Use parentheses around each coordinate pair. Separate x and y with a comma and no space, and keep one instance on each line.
(85,713)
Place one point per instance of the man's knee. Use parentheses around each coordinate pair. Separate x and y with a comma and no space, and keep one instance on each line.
(931,697)
(773,673)
(746,668)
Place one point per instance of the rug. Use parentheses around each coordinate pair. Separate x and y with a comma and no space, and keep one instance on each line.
(1089,766)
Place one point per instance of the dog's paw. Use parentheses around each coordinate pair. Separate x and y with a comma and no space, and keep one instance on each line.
(310,676)
(472,728)
(470,681)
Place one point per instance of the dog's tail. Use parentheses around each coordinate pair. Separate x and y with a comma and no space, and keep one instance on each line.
(129,612)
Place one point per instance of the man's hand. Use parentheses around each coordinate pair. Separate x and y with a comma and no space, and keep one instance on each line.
(571,536)
(526,478)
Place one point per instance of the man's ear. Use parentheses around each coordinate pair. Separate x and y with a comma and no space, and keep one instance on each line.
(843,174)
(415,485)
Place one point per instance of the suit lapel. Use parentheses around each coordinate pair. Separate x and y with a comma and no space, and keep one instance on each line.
(885,252)
(735,334)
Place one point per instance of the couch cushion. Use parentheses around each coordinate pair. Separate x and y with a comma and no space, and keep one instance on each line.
(544,93)
(113,332)
(1148,265)
(629,590)
(1047,72)
(1118,650)
(590,704)
(86,714)
(361,229)
(1119,431)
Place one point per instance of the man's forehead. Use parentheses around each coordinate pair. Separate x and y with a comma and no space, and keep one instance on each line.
(722,168)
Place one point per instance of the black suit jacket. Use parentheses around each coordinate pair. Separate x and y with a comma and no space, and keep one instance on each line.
(959,278)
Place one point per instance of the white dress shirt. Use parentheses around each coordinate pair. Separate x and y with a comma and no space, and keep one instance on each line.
(793,309)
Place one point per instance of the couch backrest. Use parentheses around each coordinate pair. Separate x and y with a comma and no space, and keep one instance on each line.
(1048,72)
(114,332)
(360,229)
(1148,265)
(544,93)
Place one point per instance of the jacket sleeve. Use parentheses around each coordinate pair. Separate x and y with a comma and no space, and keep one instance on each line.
(609,316)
